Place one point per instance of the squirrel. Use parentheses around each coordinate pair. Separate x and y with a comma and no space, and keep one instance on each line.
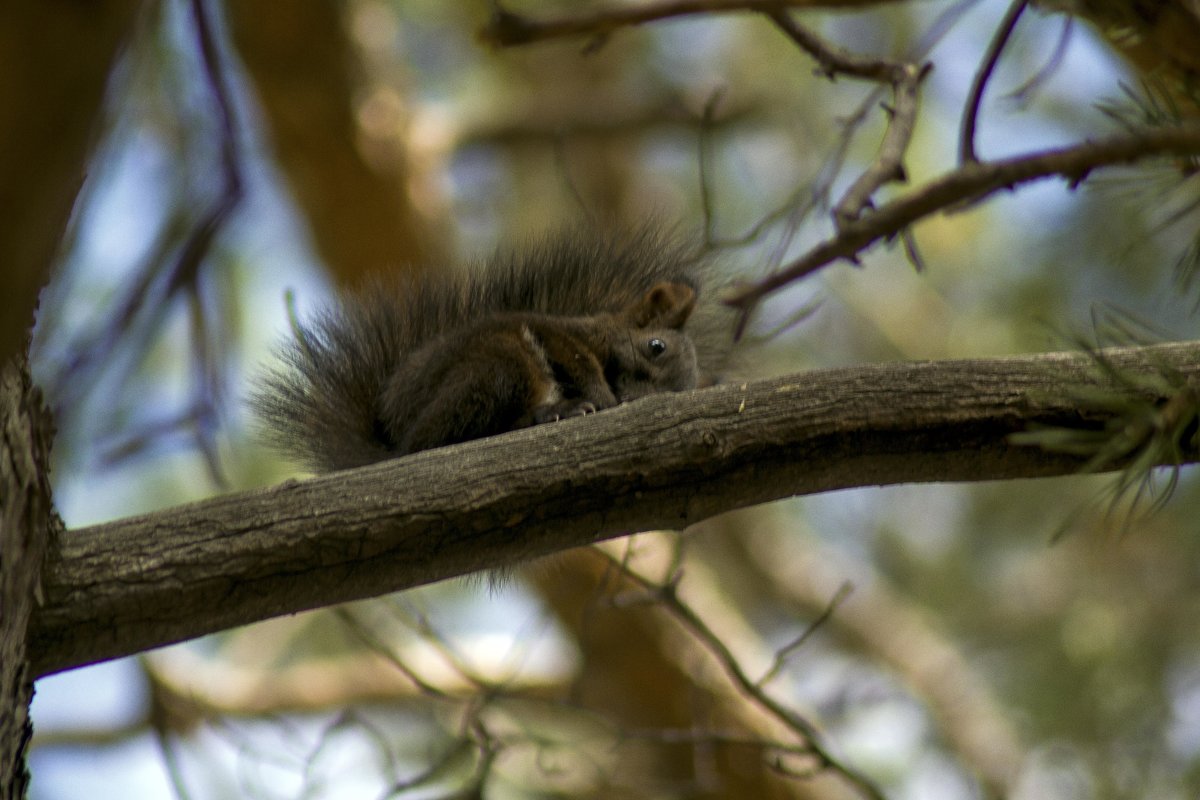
(573,324)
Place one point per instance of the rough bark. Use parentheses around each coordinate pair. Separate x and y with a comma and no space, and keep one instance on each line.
(665,461)
(26,517)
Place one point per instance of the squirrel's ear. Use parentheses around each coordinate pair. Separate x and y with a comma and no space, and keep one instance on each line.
(666,305)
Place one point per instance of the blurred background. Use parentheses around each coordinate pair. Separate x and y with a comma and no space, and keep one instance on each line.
(1024,639)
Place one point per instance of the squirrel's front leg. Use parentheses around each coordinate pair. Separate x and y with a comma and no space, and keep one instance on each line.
(588,393)
(572,382)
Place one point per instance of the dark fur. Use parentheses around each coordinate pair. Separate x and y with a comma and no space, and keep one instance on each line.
(449,355)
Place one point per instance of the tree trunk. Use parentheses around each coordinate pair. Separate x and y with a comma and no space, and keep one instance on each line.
(55,59)
(27,521)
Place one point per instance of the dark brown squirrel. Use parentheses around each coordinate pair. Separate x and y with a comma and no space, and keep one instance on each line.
(573,324)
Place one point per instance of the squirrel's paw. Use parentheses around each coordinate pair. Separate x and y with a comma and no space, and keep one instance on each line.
(563,409)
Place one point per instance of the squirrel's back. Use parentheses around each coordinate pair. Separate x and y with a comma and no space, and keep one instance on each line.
(325,404)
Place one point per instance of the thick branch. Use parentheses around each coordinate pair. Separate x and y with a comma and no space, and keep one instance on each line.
(665,461)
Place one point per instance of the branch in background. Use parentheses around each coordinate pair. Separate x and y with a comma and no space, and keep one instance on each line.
(966,144)
(893,630)
(968,184)
(889,165)
(173,269)
(834,60)
(662,462)
(151,292)
(665,595)
(507,29)
(810,197)
(1021,95)
(905,78)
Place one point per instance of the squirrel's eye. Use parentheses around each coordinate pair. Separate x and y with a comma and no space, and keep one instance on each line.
(657,347)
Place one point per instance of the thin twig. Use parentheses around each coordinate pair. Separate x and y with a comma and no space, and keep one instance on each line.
(970,183)
(507,29)
(199,244)
(815,194)
(704,157)
(782,655)
(889,164)
(966,145)
(171,761)
(693,736)
(1020,95)
(376,644)
(425,629)
(144,307)
(905,78)
(669,600)
(834,60)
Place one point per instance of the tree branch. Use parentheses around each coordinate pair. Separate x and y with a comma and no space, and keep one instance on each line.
(904,77)
(665,461)
(508,29)
(966,136)
(970,183)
